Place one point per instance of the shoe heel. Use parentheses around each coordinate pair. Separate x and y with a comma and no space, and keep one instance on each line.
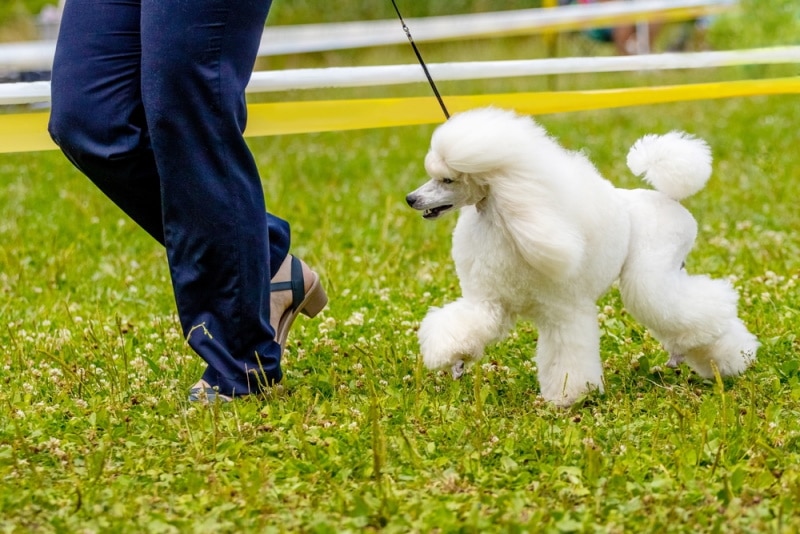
(317,300)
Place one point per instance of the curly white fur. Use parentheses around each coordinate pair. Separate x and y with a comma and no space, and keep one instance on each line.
(542,235)
(676,164)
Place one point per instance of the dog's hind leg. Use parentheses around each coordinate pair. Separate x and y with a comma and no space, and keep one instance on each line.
(693,316)
(568,356)
(460,331)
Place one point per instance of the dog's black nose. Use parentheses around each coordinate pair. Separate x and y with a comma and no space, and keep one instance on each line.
(410,199)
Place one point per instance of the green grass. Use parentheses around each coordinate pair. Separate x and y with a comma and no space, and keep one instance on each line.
(96,434)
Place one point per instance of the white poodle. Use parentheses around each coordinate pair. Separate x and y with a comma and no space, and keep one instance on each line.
(542,235)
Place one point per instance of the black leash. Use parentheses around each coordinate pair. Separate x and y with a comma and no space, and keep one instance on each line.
(421,62)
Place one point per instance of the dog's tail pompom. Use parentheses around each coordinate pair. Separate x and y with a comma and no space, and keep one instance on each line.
(677,164)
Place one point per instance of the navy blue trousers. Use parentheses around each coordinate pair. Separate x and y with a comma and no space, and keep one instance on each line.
(148,102)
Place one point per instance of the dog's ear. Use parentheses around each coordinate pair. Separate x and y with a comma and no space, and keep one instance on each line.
(547,240)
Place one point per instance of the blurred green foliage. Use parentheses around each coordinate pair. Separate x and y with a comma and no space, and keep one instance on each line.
(13,9)
(18,18)
(756,23)
(308,11)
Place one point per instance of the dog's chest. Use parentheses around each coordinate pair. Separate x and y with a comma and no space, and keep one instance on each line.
(488,263)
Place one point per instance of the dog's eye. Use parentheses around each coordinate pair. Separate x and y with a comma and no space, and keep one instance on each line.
(447,180)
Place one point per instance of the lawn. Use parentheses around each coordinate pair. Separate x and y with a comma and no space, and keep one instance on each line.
(96,434)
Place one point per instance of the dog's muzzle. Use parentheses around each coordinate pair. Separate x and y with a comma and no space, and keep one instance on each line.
(427,213)
(411,200)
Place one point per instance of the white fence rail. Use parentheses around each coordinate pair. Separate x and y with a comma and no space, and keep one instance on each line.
(399,74)
(323,37)
(267,81)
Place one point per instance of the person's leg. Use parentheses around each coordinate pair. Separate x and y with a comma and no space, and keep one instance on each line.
(622,37)
(197,58)
(97,117)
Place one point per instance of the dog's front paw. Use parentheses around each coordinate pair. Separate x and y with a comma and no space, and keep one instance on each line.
(458,332)
(441,345)
(675,360)
(563,386)
(437,356)
(457,370)
(566,395)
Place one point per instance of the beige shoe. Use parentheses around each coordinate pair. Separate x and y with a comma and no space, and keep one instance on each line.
(203,393)
(308,296)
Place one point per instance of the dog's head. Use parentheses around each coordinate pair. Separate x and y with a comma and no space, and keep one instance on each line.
(447,190)
(467,153)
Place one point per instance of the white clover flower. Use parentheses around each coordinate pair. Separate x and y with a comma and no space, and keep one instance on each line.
(356,319)
(327,325)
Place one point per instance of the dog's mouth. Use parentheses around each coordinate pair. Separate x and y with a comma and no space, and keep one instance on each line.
(433,213)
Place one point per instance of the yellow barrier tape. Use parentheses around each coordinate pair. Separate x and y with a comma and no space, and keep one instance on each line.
(24,132)
(28,132)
